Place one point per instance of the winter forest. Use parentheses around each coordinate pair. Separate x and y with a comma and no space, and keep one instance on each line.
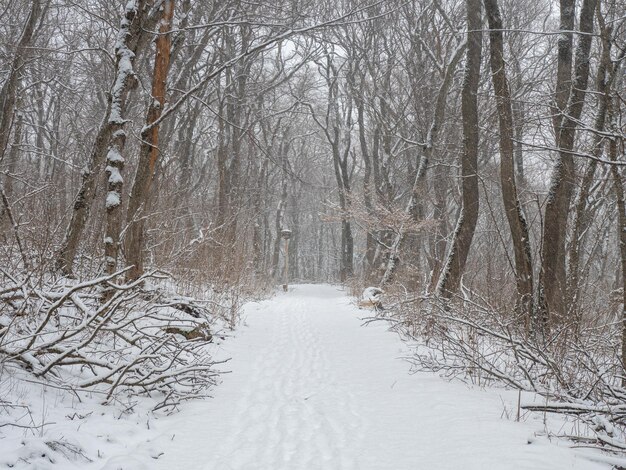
(456,166)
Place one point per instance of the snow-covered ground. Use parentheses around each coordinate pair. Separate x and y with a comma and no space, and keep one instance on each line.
(310,388)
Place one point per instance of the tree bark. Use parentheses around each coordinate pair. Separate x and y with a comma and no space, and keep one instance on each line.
(12,165)
(607,71)
(149,149)
(553,272)
(342,175)
(618,188)
(231,131)
(279,226)
(133,33)
(370,241)
(512,207)
(8,94)
(113,131)
(450,278)
(564,63)
(417,188)
(337,128)
(259,209)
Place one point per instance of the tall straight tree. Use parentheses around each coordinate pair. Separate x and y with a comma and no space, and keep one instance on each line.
(149,149)
(468,217)
(618,187)
(607,72)
(512,206)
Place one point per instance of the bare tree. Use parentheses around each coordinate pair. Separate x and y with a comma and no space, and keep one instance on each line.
(466,222)
(512,205)
(131,36)
(8,93)
(605,78)
(149,150)
(572,91)
(336,125)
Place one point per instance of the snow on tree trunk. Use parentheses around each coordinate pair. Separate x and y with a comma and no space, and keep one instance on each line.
(582,218)
(124,80)
(130,37)
(418,183)
(149,149)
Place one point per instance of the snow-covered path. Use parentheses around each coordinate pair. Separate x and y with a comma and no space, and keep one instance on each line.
(312,389)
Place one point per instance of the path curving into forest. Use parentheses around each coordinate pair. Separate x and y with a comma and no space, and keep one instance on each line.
(311,388)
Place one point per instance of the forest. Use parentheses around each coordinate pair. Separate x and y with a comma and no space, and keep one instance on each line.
(163,162)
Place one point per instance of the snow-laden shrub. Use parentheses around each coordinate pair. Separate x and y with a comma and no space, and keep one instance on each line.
(576,371)
(129,341)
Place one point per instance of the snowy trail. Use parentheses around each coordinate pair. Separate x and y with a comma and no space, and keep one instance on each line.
(312,389)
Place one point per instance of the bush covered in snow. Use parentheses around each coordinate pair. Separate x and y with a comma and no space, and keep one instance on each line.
(131,341)
(123,350)
(575,374)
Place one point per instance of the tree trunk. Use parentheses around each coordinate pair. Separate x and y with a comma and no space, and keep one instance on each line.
(450,278)
(259,209)
(564,63)
(294,241)
(553,273)
(417,189)
(12,165)
(113,136)
(438,238)
(519,116)
(618,187)
(370,242)
(149,149)
(605,77)
(512,206)
(8,94)
(132,33)
(231,130)
(346,267)
(339,133)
